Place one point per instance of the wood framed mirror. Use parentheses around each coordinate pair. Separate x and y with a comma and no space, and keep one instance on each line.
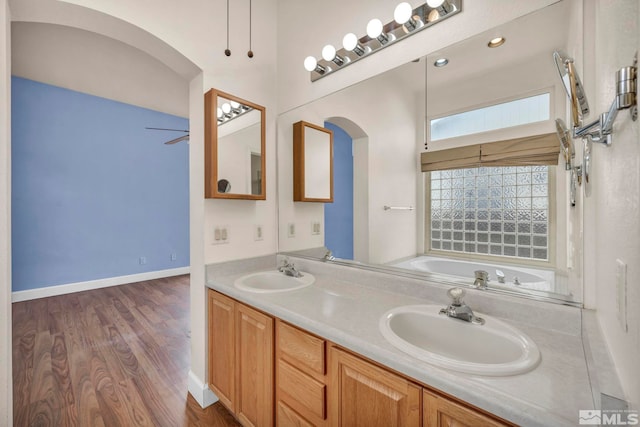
(312,163)
(234,147)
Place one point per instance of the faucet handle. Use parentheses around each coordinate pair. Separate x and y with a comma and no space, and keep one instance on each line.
(456,295)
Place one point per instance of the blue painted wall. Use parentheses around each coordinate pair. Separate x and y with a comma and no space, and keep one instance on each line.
(92,190)
(338,216)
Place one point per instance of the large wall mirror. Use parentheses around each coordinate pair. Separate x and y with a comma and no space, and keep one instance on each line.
(234,147)
(513,221)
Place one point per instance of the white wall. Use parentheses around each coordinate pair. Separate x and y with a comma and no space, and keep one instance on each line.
(612,225)
(388,109)
(6,389)
(305,27)
(91,63)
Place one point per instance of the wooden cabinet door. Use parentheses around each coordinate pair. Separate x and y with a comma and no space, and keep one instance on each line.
(254,346)
(364,395)
(442,412)
(222,354)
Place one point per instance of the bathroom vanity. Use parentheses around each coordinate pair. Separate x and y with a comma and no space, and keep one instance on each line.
(315,355)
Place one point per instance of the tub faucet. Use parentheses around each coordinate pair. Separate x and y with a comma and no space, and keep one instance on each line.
(482,277)
(458,309)
(500,276)
(289,269)
(516,281)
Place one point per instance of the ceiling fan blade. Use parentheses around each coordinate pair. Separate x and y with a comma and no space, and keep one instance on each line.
(174,141)
(174,130)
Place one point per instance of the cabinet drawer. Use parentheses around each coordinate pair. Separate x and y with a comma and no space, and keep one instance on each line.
(302,348)
(287,417)
(297,387)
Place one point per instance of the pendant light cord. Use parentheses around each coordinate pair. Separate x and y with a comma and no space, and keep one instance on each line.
(227,50)
(250,53)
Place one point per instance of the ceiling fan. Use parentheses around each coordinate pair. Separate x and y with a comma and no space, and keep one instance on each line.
(176,140)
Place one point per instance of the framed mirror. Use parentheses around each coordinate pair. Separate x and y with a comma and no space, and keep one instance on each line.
(312,163)
(234,147)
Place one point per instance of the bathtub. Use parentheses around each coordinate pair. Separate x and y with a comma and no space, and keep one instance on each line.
(463,271)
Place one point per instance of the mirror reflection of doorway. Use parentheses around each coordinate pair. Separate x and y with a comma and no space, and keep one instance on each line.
(256,173)
(338,216)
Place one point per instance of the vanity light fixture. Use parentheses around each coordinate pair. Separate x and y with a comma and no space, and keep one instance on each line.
(403,15)
(375,30)
(496,42)
(407,21)
(311,65)
(440,62)
(329,54)
(350,43)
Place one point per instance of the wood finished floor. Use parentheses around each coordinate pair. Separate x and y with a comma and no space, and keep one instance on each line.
(116,356)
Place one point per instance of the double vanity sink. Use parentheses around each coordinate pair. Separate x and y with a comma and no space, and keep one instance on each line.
(493,348)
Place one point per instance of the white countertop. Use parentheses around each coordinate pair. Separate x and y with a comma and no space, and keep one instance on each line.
(347,313)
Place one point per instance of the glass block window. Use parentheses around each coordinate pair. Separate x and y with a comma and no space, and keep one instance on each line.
(501,211)
(507,114)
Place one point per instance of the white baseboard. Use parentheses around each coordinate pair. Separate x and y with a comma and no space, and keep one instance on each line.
(201,391)
(51,291)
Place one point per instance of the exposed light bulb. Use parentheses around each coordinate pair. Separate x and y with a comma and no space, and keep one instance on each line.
(349,42)
(434,3)
(235,105)
(226,108)
(328,52)
(310,63)
(374,28)
(402,13)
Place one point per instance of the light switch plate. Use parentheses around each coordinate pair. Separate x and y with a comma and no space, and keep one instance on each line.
(258,233)
(291,230)
(621,293)
(315,228)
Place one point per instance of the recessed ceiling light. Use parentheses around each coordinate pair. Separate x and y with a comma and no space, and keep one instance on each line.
(441,62)
(498,41)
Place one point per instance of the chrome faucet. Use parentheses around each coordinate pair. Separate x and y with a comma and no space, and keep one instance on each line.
(458,309)
(516,281)
(500,276)
(289,269)
(482,277)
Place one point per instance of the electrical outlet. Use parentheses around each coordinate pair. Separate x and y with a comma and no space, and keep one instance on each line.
(621,293)
(174,256)
(257,233)
(291,230)
(143,260)
(315,228)
(220,235)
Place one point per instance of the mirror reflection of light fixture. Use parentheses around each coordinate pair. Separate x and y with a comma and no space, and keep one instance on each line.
(440,8)
(496,42)
(403,15)
(407,21)
(440,62)
(230,110)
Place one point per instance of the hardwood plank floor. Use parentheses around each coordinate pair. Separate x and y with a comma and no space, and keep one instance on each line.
(115,356)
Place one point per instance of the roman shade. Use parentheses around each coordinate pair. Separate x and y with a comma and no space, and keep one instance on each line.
(532,150)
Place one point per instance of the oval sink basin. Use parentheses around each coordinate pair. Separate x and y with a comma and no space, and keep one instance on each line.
(273,281)
(495,348)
